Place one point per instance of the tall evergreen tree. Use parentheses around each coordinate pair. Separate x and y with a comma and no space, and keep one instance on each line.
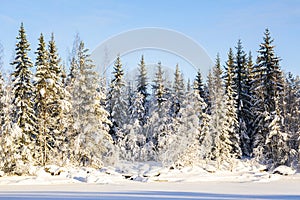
(239,71)
(60,105)
(246,120)
(232,124)
(242,89)
(142,89)
(221,144)
(208,91)
(24,115)
(117,103)
(90,121)
(43,98)
(267,87)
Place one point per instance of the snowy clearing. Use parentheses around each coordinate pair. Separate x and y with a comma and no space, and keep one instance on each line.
(151,181)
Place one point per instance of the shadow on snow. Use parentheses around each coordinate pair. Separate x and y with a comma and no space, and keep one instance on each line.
(54,195)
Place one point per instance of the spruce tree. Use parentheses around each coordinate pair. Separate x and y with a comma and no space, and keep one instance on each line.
(158,87)
(246,144)
(51,104)
(43,98)
(229,71)
(242,89)
(178,91)
(117,104)
(232,124)
(239,71)
(221,144)
(142,89)
(178,85)
(198,85)
(60,104)
(268,88)
(208,91)
(272,76)
(23,90)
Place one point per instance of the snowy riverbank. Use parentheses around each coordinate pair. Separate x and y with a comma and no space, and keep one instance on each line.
(150,180)
(124,172)
(280,189)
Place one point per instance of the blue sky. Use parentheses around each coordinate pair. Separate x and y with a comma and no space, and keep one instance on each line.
(215,25)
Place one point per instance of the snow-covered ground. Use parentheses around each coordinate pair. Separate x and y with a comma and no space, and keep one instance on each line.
(151,181)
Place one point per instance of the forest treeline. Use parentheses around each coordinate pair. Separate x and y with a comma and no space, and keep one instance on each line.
(245,109)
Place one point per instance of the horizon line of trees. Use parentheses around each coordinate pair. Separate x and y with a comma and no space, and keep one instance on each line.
(245,109)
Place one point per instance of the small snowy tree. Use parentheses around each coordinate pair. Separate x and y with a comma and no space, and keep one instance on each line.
(190,132)
(291,113)
(277,151)
(198,85)
(159,91)
(11,159)
(178,92)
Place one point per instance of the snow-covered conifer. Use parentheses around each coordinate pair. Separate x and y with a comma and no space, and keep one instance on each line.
(60,117)
(241,86)
(191,131)
(11,161)
(158,87)
(43,86)
(178,91)
(117,103)
(221,146)
(267,87)
(277,151)
(90,122)
(232,124)
(142,89)
(198,85)
(22,100)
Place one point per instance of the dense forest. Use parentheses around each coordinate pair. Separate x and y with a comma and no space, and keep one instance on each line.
(247,109)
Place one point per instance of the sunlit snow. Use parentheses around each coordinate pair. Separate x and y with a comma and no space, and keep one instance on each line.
(149,180)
